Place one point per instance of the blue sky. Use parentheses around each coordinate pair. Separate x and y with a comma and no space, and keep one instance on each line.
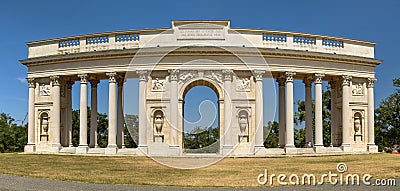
(23,21)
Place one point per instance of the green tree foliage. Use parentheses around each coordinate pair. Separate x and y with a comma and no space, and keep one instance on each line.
(13,137)
(387,120)
(202,140)
(131,130)
(271,135)
(300,116)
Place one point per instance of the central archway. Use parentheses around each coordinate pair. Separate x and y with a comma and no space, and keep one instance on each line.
(201,118)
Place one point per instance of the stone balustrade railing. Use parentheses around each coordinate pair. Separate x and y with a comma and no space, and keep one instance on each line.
(260,38)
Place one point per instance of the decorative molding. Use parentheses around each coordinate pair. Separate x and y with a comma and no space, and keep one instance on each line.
(94,82)
(55,80)
(143,75)
(31,82)
(84,78)
(227,74)
(112,77)
(173,74)
(243,84)
(289,76)
(308,81)
(215,75)
(371,82)
(357,88)
(45,90)
(258,75)
(157,84)
(318,78)
(187,75)
(281,81)
(346,80)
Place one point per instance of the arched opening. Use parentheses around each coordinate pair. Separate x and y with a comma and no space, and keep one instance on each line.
(201,119)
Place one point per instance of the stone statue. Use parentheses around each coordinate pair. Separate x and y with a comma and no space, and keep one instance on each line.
(158,123)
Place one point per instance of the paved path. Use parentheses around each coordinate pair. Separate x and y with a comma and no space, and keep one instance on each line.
(15,183)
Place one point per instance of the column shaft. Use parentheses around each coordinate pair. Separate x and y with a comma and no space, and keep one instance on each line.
(69,111)
(31,112)
(319,141)
(93,113)
(227,112)
(56,111)
(371,126)
(346,116)
(289,110)
(309,112)
(120,131)
(142,110)
(282,120)
(259,136)
(112,110)
(83,116)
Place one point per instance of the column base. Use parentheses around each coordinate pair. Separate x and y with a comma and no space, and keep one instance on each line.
(227,149)
(290,149)
(319,149)
(174,150)
(143,148)
(82,149)
(111,150)
(55,148)
(30,148)
(372,148)
(346,148)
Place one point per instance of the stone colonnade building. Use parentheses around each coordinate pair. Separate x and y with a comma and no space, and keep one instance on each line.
(231,61)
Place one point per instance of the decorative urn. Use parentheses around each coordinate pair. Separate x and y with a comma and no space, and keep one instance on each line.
(243,124)
(158,123)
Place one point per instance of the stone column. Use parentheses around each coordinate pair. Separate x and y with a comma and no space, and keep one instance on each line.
(69,111)
(83,117)
(346,115)
(112,114)
(56,115)
(371,127)
(319,141)
(227,148)
(93,113)
(334,113)
(259,136)
(289,112)
(173,78)
(143,77)
(309,112)
(30,146)
(282,120)
(120,130)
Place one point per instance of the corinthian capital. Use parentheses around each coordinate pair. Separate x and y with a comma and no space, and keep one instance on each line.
(258,75)
(371,82)
(289,76)
(55,80)
(112,77)
(227,75)
(31,82)
(318,78)
(173,74)
(143,75)
(84,78)
(346,80)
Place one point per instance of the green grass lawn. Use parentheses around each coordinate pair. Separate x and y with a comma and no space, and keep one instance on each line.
(227,172)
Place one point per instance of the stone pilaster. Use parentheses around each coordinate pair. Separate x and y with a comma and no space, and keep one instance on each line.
(143,78)
(173,78)
(346,115)
(227,137)
(371,127)
(259,134)
(30,146)
(56,115)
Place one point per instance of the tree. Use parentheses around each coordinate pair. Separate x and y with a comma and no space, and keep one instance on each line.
(13,137)
(300,116)
(271,134)
(102,128)
(387,120)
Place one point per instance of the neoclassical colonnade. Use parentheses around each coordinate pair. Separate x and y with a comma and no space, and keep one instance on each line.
(339,84)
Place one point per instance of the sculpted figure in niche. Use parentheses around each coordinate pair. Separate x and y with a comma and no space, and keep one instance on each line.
(44,123)
(158,122)
(243,122)
(357,123)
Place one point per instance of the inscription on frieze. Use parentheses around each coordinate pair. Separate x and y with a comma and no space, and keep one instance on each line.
(201,34)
